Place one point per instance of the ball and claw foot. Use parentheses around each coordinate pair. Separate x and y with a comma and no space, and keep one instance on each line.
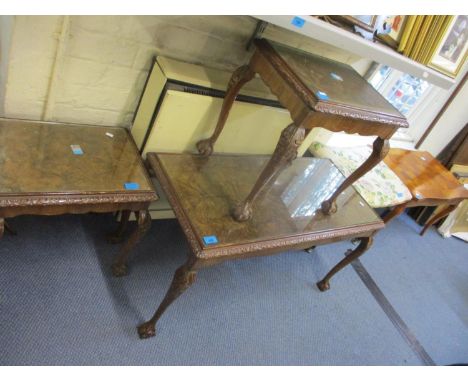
(323,285)
(328,208)
(242,212)
(119,270)
(205,147)
(146,330)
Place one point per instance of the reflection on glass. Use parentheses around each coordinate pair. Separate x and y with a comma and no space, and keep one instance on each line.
(304,195)
(379,78)
(404,93)
(207,188)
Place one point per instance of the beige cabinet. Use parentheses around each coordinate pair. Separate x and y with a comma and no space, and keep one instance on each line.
(181,103)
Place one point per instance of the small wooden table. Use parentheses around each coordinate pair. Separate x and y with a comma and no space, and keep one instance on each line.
(429,182)
(318,92)
(53,168)
(201,190)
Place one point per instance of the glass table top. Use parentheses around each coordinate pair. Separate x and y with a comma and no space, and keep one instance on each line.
(40,157)
(334,81)
(206,189)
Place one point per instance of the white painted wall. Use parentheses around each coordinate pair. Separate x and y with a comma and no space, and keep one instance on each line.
(91,69)
(6,26)
(104,60)
(31,56)
(449,125)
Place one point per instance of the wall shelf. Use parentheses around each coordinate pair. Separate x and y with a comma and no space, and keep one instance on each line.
(340,38)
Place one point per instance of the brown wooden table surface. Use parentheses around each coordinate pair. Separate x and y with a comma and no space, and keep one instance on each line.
(317,92)
(288,216)
(429,182)
(424,175)
(41,175)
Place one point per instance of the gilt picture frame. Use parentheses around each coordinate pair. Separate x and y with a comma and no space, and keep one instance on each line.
(395,25)
(365,22)
(451,51)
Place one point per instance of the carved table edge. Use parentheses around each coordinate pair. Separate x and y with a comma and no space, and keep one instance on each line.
(285,243)
(153,160)
(19,200)
(352,112)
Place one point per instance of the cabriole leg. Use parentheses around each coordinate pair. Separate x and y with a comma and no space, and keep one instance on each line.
(238,79)
(184,277)
(285,152)
(437,217)
(120,268)
(394,212)
(4,226)
(380,150)
(365,243)
(118,235)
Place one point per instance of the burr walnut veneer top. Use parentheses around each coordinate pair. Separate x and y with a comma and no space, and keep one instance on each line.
(37,157)
(332,84)
(202,190)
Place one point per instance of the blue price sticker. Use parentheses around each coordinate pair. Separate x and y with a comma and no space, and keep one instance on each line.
(210,239)
(76,149)
(297,22)
(321,95)
(131,186)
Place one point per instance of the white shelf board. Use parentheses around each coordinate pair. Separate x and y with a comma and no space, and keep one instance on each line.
(340,38)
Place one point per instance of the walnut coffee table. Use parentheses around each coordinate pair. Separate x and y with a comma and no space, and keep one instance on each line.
(53,169)
(288,216)
(317,92)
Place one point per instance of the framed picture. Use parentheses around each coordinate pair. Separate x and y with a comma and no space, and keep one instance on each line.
(392,29)
(366,22)
(365,25)
(451,51)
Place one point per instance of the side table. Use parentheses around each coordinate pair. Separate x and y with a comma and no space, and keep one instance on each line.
(201,190)
(318,92)
(429,182)
(53,169)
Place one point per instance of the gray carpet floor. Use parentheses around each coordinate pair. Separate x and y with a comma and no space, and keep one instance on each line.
(59,304)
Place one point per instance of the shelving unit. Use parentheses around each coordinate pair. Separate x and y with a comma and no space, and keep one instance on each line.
(330,34)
